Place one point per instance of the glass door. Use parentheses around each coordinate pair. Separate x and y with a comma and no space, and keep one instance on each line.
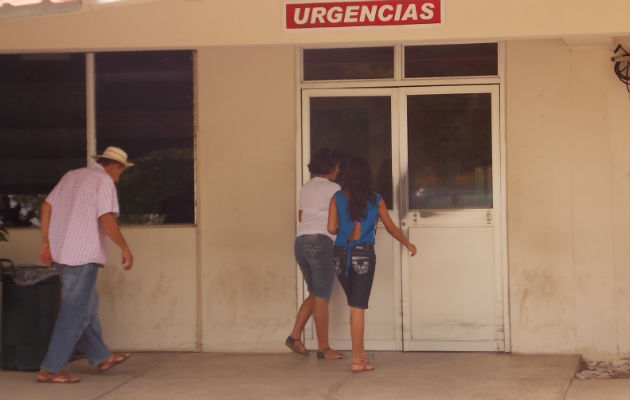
(452,291)
(361,123)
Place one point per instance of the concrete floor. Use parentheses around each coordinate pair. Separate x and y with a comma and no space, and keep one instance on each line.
(400,376)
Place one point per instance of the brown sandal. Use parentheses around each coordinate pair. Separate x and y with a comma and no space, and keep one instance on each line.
(362,366)
(114,359)
(60,377)
(296,346)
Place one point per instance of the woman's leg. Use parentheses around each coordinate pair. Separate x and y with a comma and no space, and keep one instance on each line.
(320,316)
(357,327)
(304,313)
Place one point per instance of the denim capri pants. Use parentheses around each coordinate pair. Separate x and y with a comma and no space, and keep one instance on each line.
(313,254)
(356,277)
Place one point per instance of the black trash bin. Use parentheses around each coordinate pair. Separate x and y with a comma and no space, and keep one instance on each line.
(29,310)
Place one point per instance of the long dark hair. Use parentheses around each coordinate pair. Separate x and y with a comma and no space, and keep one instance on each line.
(357,183)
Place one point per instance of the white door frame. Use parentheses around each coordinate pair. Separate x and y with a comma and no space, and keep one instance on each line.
(303,149)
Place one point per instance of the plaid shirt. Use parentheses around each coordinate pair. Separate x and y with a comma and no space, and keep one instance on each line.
(77,201)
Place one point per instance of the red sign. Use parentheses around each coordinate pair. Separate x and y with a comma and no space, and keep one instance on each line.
(362,13)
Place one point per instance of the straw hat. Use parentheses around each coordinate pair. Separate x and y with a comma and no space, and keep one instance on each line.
(116,154)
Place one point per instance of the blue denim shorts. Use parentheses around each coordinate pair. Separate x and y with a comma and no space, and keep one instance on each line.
(313,254)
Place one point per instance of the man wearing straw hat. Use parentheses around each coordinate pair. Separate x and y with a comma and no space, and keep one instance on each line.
(77,218)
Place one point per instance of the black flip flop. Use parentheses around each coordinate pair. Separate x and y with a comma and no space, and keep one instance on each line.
(322,355)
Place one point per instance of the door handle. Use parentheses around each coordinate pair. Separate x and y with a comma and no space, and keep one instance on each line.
(489,217)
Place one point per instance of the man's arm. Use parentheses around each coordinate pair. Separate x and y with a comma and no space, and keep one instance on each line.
(110,226)
(44,254)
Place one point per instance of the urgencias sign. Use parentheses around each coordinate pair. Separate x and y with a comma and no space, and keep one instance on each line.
(300,15)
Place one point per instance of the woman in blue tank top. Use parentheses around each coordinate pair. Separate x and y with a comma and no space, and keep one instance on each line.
(353,213)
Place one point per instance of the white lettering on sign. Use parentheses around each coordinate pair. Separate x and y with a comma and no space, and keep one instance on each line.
(362,13)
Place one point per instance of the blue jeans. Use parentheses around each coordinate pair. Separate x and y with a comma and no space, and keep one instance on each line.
(314,256)
(77,322)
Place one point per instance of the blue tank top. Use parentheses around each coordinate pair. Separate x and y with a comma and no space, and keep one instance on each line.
(368,224)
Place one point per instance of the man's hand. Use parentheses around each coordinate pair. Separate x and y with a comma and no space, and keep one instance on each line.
(110,226)
(44,255)
(127,259)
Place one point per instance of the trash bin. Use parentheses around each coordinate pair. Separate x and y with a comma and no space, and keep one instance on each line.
(30,302)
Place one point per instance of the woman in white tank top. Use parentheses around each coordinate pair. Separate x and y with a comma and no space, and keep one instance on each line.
(313,253)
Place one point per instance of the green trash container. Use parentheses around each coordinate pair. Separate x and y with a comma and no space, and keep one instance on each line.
(29,311)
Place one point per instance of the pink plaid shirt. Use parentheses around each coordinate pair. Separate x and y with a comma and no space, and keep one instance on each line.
(77,201)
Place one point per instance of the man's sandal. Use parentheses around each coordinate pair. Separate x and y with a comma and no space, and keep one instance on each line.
(60,377)
(296,346)
(362,366)
(330,354)
(114,359)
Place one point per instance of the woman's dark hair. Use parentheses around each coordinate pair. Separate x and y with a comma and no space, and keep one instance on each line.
(357,182)
(323,162)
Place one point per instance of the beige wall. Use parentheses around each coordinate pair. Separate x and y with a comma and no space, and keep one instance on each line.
(567,177)
(194,24)
(150,307)
(246,153)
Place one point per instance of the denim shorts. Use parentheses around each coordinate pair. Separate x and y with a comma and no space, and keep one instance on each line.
(313,254)
(356,278)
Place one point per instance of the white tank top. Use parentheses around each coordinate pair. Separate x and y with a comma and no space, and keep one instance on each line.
(315,198)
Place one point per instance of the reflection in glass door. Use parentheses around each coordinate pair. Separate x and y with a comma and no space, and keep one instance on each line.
(450,151)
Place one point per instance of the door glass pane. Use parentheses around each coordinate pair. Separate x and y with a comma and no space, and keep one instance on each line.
(348,63)
(478,59)
(356,127)
(450,151)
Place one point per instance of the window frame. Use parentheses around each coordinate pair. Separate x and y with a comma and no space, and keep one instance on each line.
(399,79)
(92,134)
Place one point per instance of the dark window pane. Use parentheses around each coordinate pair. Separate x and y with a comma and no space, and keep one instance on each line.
(349,63)
(356,127)
(144,104)
(450,151)
(451,60)
(42,129)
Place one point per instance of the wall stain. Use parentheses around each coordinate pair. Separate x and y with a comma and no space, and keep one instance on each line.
(523,311)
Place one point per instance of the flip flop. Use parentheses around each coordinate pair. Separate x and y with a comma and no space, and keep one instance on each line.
(323,355)
(115,359)
(296,346)
(59,377)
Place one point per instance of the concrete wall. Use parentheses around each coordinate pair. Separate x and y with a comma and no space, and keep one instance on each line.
(150,307)
(568,164)
(195,24)
(247,155)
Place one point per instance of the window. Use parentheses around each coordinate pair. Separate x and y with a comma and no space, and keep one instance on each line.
(478,59)
(356,127)
(42,134)
(450,151)
(349,63)
(144,104)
